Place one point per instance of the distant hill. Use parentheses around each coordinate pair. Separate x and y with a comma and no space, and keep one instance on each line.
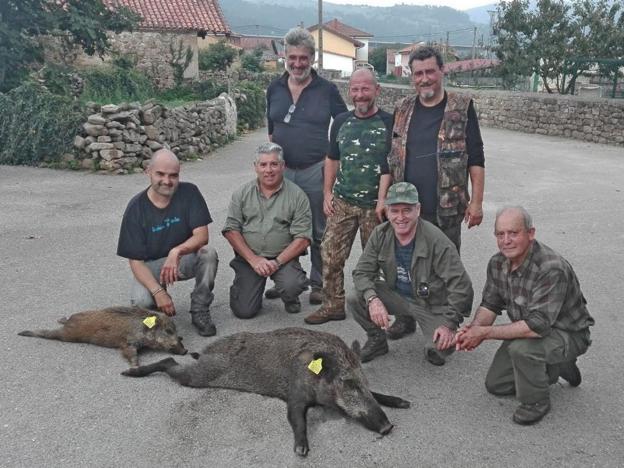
(480,14)
(399,23)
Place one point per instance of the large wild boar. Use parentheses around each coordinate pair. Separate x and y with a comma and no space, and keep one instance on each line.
(118,327)
(300,366)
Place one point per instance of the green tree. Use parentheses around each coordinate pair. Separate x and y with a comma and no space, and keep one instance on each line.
(377,58)
(76,22)
(252,61)
(218,56)
(551,39)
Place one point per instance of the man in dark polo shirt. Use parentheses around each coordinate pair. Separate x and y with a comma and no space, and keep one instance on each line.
(269,226)
(300,106)
(164,235)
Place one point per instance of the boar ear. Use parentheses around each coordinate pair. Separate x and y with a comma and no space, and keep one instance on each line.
(355,347)
(329,370)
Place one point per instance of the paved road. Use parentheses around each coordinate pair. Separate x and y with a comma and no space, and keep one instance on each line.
(65,404)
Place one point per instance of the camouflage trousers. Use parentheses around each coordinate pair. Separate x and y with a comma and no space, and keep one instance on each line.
(338,239)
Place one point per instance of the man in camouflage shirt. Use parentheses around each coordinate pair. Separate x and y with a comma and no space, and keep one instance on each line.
(549,319)
(355,183)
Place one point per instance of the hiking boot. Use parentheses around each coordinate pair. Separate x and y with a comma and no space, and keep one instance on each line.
(376,345)
(323,315)
(272,293)
(531,413)
(569,372)
(203,323)
(292,307)
(403,325)
(316,296)
(434,357)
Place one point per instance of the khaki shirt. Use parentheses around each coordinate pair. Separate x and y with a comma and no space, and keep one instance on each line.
(269,225)
(435,261)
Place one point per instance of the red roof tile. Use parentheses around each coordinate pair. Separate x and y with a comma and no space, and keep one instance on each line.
(346,30)
(176,15)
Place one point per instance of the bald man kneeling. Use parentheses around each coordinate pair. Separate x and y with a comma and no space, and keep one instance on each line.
(164,236)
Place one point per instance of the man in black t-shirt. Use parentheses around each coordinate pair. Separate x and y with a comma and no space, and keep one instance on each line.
(164,235)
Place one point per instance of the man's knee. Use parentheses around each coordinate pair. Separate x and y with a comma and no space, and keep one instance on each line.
(243,308)
(208,255)
(142,299)
(529,348)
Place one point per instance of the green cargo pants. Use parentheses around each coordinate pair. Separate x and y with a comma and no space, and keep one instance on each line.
(527,367)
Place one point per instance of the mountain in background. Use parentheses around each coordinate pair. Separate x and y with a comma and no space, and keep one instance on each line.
(480,14)
(399,23)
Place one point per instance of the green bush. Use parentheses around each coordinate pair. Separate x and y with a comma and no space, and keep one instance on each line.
(36,125)
(217,56)
(251,105)
(252,61)
(107,85)
(208,89)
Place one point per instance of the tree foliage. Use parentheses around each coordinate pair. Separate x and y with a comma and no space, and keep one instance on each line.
(552,39)
(377,58)
(252,61)
(217,57)
(76,22)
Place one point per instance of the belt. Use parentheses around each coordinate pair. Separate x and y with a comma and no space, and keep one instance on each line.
(299,167)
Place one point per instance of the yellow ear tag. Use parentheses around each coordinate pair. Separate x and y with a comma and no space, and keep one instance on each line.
(150,321)
(316,365)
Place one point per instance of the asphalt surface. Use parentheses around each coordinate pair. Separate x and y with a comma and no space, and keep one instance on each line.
(66,404)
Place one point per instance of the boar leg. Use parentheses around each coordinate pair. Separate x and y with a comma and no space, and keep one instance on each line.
(142,371)
(390,401)
(47,334)
(131,354)
(297,419)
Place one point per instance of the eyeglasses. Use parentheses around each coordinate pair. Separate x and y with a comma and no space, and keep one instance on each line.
(291,109)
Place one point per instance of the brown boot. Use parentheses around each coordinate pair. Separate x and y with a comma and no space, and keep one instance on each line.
(403,325)
(376,345)
(527,414)
(316,296)
(323,315)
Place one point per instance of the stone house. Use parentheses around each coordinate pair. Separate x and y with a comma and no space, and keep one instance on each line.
(168,27)
(344,47)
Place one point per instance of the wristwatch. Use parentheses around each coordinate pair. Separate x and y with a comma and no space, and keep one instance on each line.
(370,299)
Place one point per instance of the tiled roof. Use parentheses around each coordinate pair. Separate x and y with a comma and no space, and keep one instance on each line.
(177,15)
(346,30)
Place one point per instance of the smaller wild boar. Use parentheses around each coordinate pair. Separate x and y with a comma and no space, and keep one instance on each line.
(300,366)
(117,327)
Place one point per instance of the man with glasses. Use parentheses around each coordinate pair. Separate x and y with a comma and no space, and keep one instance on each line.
(300,106)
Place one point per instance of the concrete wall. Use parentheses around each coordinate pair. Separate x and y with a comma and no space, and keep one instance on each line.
(589,119)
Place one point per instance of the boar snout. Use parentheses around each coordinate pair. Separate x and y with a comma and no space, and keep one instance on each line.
(376,420)
(386,429)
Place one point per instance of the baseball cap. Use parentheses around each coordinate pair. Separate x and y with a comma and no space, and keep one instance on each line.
(402,192)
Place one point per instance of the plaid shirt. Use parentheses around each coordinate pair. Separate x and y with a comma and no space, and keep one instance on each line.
(544,291)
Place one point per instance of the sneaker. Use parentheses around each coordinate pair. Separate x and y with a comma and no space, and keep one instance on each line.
(292,307)
(272,293)
(434,357)
(203,323)
(570,372)
(323,315)
(527,414)
(316,296)
(376,345)
(403,325)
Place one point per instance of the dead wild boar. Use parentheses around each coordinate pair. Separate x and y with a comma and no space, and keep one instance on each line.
(118,327)
(302,367)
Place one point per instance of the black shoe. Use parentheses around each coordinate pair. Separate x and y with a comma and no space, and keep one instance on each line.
(570,372)
(203,323)
(403,325)
(292,307)
(376,345)
(272,293)
(527,414)
(434,357)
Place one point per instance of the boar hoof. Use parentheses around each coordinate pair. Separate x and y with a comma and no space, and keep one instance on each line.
(302,450)
(386,429)
(132,372)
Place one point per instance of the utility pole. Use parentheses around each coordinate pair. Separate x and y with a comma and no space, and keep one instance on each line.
(320,35)
(474,43)
(446,50)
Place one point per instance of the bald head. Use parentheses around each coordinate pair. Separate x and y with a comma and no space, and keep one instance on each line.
(164,156)
(363,91)
(364,74)
(164,174)
(514,212)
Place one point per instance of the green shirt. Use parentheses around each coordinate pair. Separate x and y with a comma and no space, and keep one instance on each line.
(269,225)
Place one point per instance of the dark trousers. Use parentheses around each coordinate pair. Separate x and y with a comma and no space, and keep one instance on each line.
(399,306)
(453,232)
(527,367)
(246,291)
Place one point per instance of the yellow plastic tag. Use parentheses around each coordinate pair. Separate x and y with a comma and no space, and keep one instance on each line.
(316,365)
(150,321)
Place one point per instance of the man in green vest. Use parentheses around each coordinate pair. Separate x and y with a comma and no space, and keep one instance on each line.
(437,146)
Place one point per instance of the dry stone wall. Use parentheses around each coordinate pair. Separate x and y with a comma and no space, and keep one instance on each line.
(122,138)
(589,119)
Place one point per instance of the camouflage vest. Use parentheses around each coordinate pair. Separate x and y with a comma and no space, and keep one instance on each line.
(452,157)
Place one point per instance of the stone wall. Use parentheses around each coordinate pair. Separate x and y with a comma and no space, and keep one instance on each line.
(589,119)
(121,138)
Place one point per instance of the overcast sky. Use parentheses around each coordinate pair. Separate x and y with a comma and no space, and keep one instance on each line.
(457,4)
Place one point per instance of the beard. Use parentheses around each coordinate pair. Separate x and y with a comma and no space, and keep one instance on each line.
(363,107)
(299,78)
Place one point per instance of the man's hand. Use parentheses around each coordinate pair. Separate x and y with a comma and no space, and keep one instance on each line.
(474,214)
(169,271)
(380,211)
(443,337)
(165,303)
(263,266)
(328,204)
(470,336)
(378,313)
